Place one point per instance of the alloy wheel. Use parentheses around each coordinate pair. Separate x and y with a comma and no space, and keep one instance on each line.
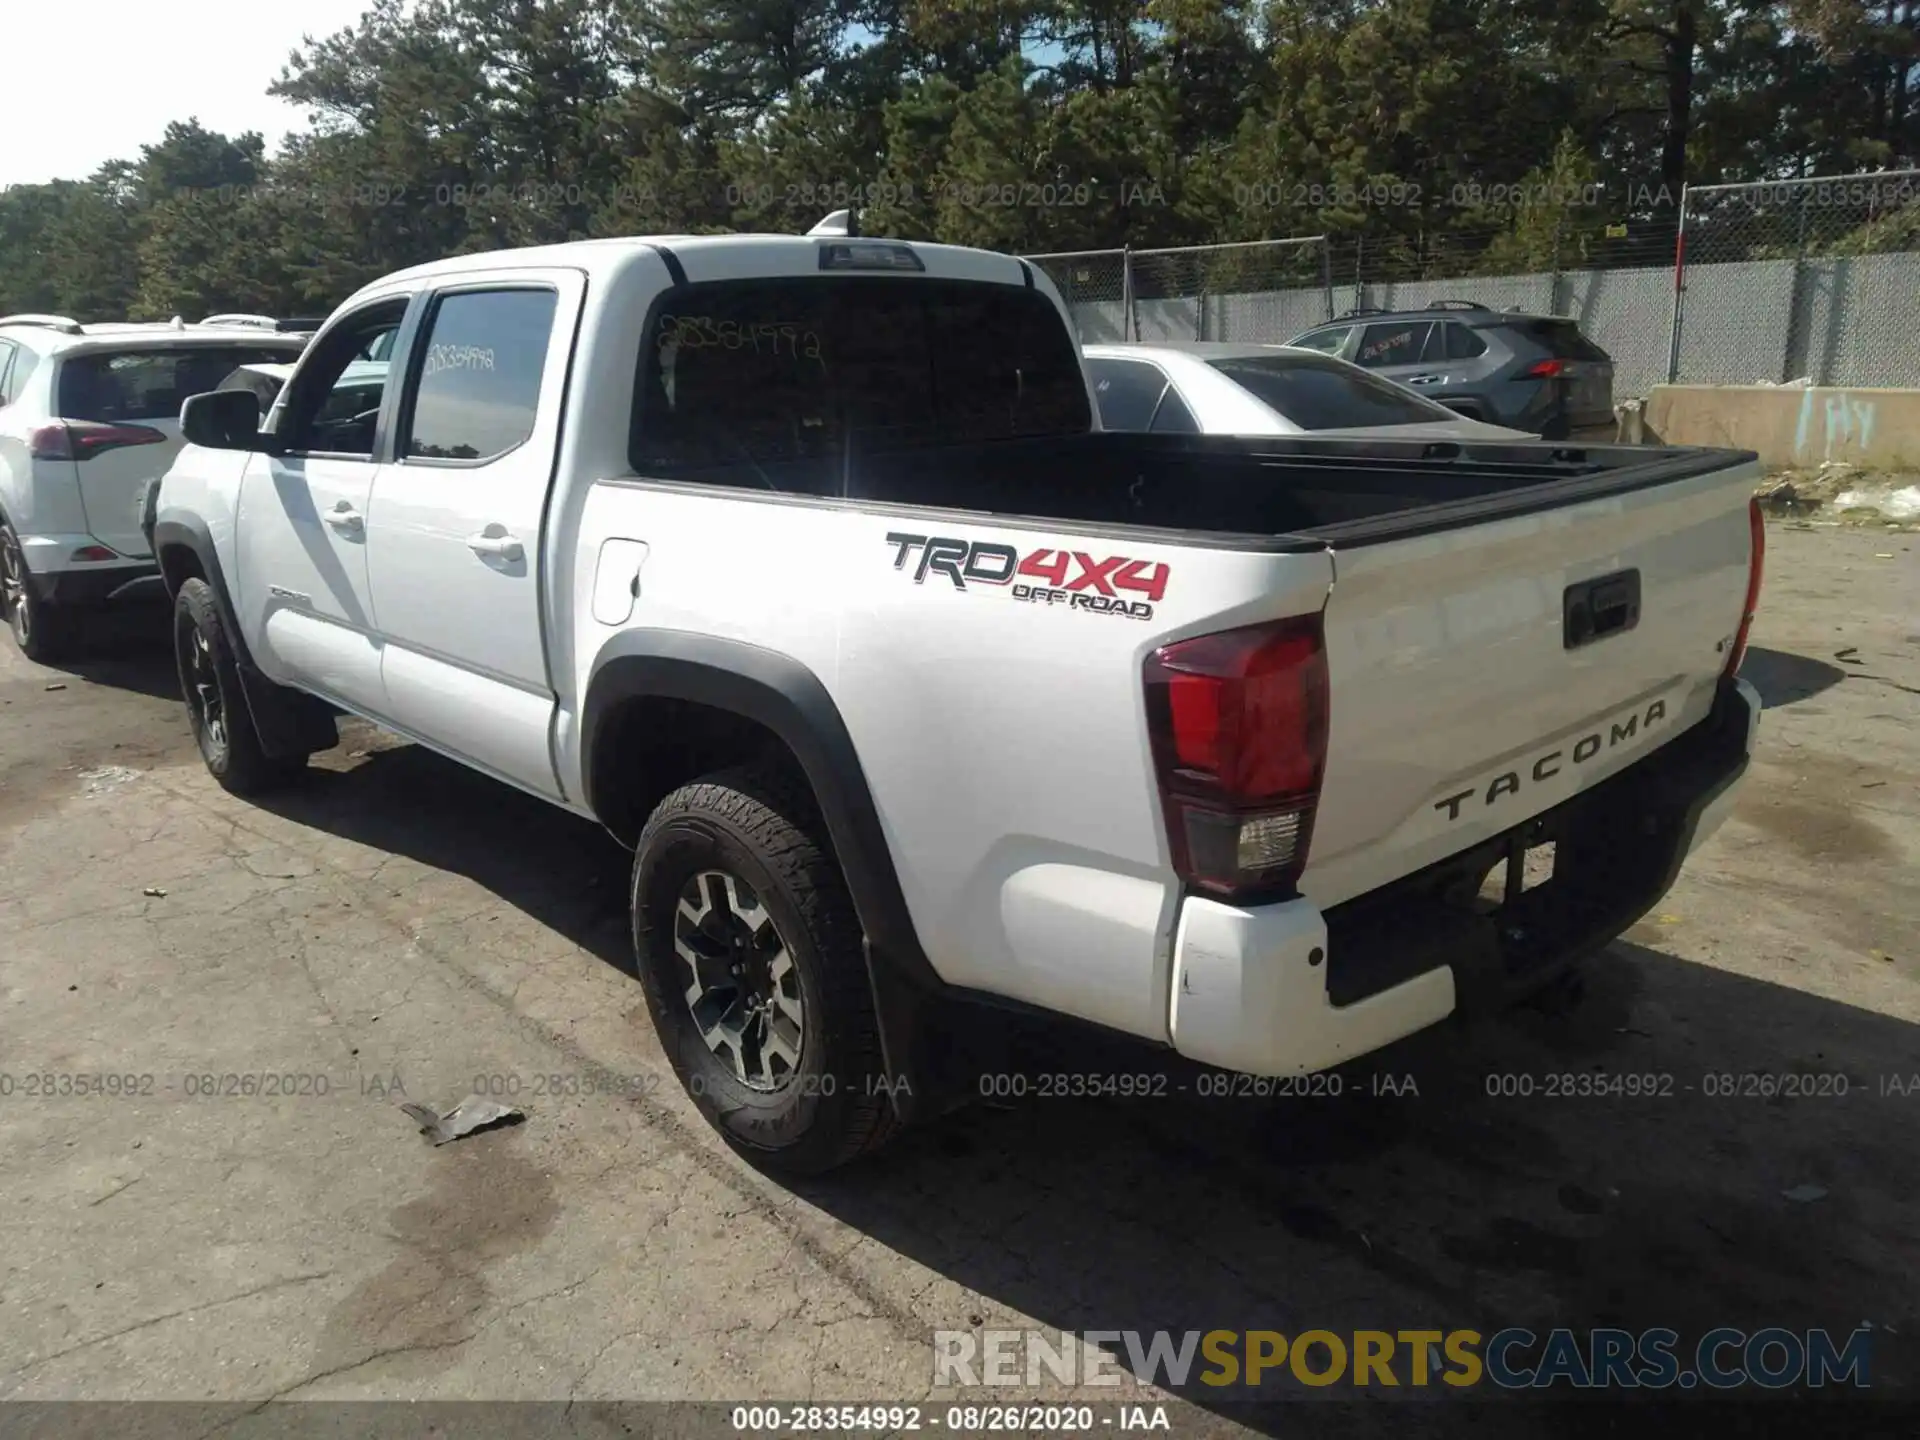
(203,693)
(743,989)
(13,591)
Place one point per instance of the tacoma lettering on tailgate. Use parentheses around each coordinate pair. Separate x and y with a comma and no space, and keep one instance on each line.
(1072,578)
(1545,767)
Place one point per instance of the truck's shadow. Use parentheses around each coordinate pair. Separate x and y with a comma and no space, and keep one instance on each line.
(1461,1202)
(564,871)
(1783,678)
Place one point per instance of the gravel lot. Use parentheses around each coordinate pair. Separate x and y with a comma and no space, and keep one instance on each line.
(397,923)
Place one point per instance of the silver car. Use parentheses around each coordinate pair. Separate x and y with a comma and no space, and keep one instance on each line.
(1221,388)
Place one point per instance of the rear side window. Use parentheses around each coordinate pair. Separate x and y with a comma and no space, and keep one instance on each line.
(479,374)
(1398,343)
(149,384)
(25,362)
(800,369)
(1126,391)
(7,348)
(1327,395)
(1326,341)
(1462,343)
(1563,339)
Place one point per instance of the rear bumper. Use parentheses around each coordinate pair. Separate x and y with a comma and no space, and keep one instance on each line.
(1286,989)
(1550,413)
(58,579)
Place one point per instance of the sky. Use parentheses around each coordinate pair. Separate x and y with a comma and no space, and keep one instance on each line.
(107,75)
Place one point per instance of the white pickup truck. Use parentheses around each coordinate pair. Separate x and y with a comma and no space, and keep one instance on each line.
(802,566)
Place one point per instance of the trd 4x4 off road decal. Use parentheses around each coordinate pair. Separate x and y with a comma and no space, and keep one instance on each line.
(1067,577)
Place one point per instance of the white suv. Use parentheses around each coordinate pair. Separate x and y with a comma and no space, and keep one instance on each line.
(89,415)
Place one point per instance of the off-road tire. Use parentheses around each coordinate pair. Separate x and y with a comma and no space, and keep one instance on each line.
(765,831)
(209,677)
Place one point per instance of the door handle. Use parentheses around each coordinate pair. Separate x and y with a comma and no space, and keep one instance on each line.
(501,546)
(1426,379)
(344,518)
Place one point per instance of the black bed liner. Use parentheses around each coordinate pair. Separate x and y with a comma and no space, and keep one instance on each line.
(1277,492)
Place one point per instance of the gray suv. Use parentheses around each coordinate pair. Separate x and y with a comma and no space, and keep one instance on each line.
(1533,372)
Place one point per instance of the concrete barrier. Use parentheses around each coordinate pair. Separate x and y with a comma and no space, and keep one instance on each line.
(1792,427)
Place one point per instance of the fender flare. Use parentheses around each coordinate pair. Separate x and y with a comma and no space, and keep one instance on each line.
(289,722)
(787,698)
(193,534)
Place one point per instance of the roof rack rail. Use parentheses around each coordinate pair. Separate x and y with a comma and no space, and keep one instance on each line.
(65,324)
(252,322)
(300,325)
(1455,305)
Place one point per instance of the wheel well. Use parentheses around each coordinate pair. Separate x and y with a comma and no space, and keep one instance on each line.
(651,745)
(179,564)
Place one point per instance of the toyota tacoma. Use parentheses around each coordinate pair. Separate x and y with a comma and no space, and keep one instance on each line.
(802,565)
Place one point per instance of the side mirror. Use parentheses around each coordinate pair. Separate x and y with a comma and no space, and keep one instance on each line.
(222,420)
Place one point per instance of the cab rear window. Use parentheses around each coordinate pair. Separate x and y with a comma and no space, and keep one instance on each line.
(784,371)
(150,384)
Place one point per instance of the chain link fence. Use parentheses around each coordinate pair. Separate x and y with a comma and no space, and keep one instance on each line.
(1531,257)
(1252,291)
(1094,283)
(1258,290)
(1815,279)
(1615,279)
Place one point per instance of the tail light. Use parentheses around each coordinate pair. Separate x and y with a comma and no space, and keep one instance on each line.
(83,439)
(1756,566)
(1238,723)
(1547,370)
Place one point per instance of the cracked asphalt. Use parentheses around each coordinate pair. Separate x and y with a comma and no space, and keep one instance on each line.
(398,929)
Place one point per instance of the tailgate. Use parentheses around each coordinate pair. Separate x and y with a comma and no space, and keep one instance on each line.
(113,486)
(1463,698)
(120,399)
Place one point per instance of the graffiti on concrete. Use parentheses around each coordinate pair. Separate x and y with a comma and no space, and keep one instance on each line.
(1832,423)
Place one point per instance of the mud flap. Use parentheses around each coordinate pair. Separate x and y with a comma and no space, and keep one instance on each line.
(932,1046)
(289,722)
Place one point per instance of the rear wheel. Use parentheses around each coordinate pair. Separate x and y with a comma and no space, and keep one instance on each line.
(42,630)
(750,954)
(216,706)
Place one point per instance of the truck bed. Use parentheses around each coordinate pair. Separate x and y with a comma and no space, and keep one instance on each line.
(1449,578)
(1302,493)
